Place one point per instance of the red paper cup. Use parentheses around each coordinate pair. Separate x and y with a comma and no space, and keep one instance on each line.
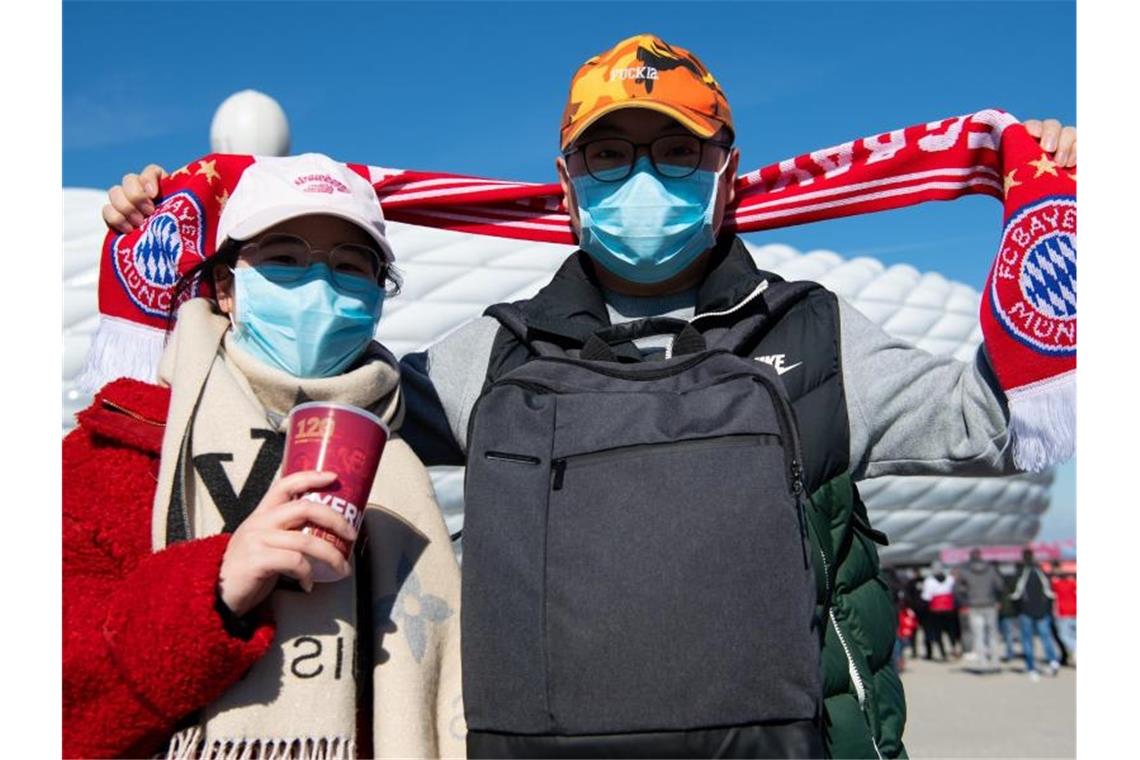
(343,439)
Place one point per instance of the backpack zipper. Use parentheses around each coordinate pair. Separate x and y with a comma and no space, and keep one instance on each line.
(559,465)
(785,415)
(607,371)
(655,373)
(506,456)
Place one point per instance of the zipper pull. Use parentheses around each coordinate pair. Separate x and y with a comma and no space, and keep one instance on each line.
(798,495)
(803,531)
(797,477)
(559,467)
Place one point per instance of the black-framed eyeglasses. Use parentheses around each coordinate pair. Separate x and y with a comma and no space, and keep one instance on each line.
(611,159)
(353,266)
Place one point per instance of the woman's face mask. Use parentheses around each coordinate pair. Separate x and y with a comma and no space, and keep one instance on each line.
(302,321)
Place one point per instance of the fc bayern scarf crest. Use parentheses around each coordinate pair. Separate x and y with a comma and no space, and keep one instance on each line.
(1028,313)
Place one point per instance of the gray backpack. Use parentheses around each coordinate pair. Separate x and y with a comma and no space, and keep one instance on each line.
(636,559)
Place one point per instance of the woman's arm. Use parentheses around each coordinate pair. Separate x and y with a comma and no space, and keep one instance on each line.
(144,644)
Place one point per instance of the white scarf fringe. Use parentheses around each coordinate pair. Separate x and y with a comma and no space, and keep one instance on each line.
(121,348)
(191,744)
(1043,421)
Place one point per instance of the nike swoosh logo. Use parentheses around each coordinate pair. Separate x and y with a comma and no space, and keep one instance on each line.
(778,366)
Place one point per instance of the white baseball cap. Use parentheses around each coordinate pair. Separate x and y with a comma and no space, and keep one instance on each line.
(277,189)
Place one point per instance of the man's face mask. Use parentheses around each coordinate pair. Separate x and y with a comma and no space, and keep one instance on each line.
(648,228)
(304,325)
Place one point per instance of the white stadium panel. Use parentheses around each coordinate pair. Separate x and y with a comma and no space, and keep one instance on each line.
(450,277)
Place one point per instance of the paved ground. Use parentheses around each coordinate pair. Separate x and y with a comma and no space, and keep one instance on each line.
(954,713)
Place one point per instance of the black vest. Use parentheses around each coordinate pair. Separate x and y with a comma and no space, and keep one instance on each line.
(795,327)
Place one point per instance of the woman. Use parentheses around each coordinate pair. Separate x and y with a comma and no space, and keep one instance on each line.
(938,593)
(192,625)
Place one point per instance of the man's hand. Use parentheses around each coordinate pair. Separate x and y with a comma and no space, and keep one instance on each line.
(133,201)
(1061,141)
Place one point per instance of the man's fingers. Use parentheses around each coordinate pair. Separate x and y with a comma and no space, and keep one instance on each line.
(123,205)
(1067,147)
(133,189)
(150,177)
(1033,127)
(116,221)
(1050,135)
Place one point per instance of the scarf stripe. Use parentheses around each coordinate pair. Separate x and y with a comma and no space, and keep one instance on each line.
(1028,313)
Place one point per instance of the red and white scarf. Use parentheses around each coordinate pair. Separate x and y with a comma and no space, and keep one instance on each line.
(1028,312)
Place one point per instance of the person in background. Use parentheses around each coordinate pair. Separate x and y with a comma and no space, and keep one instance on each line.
(981,590)
(1034,598)
(1007,616)
(908,625)
(938,593)
(1049,568)
(1065,612)
(913,599)
(954,624)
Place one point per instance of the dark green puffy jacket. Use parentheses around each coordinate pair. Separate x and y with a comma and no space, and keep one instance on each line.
(864,704)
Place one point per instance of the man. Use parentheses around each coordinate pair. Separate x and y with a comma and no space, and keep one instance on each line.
(1034,599)
(648,167)
(1065,614)
(981,589)
(1007,616)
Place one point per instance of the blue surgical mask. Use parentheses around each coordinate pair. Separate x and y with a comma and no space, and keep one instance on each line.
(649,227)
(300,322)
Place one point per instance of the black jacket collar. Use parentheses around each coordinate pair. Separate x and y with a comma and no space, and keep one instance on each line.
(572,304)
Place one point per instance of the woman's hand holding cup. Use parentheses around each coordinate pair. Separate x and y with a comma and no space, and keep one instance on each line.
(268,543)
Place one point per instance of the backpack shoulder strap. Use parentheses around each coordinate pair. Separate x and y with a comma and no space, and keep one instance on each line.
(546,337)
(530,332)
(510,317)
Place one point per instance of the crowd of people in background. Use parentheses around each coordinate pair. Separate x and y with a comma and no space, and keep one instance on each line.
(974,613)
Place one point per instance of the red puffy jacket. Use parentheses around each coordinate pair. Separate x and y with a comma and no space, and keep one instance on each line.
(908,623)
(1065,589)
(143,644)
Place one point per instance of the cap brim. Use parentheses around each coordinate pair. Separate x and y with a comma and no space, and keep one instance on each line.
(699,124)
(260,222)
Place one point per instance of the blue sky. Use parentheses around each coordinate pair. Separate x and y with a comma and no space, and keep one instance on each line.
(478,88)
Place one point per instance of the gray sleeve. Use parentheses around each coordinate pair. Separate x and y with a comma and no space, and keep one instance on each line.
(457,366)
(914,413)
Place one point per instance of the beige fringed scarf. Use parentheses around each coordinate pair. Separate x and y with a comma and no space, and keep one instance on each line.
(300,700)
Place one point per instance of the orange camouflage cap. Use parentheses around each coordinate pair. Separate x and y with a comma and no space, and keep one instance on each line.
(644,71)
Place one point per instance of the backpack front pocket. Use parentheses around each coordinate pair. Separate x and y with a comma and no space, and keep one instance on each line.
(676,594)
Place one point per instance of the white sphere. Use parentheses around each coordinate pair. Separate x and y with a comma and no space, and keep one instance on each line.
(250,122)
